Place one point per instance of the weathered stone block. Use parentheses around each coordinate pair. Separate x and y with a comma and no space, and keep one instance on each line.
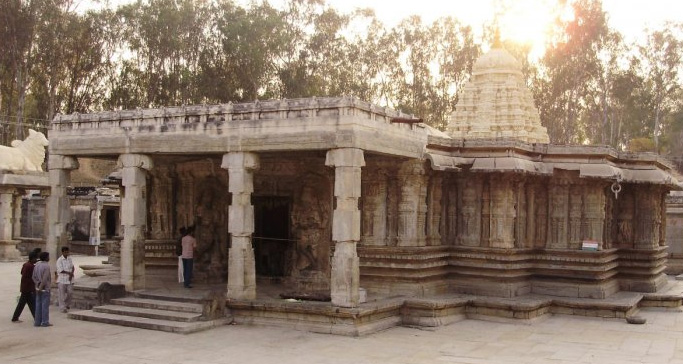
(346,225)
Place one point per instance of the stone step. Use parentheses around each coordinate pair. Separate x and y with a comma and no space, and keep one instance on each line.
(157,304)
(149,313)
(148,323)
(196,296)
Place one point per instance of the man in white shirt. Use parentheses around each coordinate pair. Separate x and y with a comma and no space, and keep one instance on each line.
(65,277)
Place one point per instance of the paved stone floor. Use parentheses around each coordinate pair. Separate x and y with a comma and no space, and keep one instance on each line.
(557,339)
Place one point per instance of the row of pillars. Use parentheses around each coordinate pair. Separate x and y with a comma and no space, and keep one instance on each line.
(345,274)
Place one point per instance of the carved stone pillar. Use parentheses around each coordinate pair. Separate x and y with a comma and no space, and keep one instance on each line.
(8,246)
(96,222)
(594,206)
(241,263)
(575,221)
(16,221)
(540,231)
(134,168)
(434,209)
(558,212)
(392,210)
(648,218)
(522,210)
(469,213)
(345,275)
(412,207)
(374,212)
(502,225)
(451,210)
(58,207)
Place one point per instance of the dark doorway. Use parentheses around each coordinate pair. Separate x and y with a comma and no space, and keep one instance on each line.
(271,235)
(110,219)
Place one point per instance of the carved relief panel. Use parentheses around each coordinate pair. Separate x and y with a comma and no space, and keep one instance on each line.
(575,211)
(540,208)
(522,210)
(594,206)
(648,217)
(202,201)
(450,210)
(622,231)
(434,210)
(469,210)
(502,226)
(558,212)
(412,207)
(161,202)
(373,206)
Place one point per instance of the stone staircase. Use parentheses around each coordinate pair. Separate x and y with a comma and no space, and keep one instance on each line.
(152,311)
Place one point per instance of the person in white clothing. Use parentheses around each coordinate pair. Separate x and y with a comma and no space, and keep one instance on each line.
(65,277)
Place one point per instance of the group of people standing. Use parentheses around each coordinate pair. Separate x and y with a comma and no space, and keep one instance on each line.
(36,282)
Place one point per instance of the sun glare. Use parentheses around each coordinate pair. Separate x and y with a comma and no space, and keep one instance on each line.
(528,22)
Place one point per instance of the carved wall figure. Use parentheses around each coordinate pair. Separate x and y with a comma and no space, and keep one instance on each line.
(625,214)
(469,211)
(374,208)
(310,221)
(412,208)
(211,228)
(502,212)
(161,209)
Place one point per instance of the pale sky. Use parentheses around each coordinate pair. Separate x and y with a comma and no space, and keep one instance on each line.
(525,21)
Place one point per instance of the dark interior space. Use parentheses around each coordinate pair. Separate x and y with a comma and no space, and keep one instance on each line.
(271,235)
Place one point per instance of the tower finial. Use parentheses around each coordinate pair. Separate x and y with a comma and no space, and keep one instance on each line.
(496,38)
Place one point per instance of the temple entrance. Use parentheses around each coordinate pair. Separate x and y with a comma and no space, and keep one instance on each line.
(271,236)
(111,217)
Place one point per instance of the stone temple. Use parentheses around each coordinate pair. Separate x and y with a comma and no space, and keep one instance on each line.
(397,222)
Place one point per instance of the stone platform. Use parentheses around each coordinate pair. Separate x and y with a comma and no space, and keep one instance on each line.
(381,313)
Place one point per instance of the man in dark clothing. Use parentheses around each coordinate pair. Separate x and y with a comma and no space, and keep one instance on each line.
(27,288)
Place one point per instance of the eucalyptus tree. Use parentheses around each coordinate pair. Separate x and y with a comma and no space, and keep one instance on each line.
(569,69)
(162,43)
(661,63)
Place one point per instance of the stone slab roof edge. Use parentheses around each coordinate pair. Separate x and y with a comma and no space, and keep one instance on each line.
(229,108)
(657,176)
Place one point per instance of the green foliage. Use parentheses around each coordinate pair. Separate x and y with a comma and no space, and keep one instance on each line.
(589,87)
(641,145)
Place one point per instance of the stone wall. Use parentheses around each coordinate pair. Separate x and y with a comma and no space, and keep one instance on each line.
(674,232)
(506,234)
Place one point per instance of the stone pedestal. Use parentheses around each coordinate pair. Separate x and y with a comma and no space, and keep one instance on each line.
(134,169)
(241,264)
(8,247)
(345,275)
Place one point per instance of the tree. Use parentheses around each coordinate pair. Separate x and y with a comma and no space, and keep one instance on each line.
(661,57)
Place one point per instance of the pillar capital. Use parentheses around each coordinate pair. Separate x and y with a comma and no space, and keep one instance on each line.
(56,161)
(135,160)
(240,160)
(345,157)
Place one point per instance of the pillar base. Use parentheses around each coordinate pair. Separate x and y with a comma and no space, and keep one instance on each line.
(241,270)
(345,275)
(9,251)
